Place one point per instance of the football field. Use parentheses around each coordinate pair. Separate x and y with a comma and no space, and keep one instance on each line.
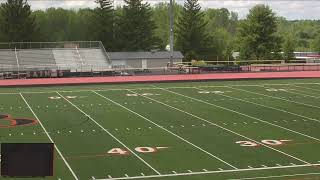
(215,130)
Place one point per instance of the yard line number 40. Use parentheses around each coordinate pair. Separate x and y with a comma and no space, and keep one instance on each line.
(145,150)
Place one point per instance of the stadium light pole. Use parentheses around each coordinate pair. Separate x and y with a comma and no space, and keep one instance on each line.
(171,32)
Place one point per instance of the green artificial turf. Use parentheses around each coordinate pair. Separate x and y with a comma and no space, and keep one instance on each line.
(267,129)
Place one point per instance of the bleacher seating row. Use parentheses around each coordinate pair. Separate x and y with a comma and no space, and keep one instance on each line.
(73,59)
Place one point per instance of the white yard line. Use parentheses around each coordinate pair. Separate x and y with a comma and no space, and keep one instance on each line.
(302,94)
(59,152)
(114,137)
(274,97)
(286,154)
(268,177)
(296,132)
(307,88)
(170,132)
(212,172)
(172,87)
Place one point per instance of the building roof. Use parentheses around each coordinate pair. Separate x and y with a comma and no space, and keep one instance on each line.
(144,55)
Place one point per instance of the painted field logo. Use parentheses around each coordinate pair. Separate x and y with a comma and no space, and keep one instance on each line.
(6,121)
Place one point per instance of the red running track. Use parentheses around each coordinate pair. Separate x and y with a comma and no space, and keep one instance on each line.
(157,78)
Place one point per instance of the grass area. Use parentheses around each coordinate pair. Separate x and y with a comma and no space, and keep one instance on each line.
(199,130)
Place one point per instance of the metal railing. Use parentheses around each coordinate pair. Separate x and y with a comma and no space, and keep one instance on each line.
(50,45)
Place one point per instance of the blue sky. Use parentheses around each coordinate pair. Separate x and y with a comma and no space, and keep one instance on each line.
(294,9)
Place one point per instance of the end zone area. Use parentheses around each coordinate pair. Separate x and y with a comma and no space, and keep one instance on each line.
(258,129)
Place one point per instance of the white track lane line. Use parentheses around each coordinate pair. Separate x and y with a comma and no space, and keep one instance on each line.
(286,154)
(59,152)
(296,132)
(156,171)
(274,97)
(214,172)
(170,132)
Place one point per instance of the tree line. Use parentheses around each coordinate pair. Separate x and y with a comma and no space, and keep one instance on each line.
(209,34)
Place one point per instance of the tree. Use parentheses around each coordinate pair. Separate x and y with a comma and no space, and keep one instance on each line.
(102,26)
(17,23)
(222,28)
(192,38)
(161,18)
(136,27)
(257,34)
(288,48)
(316,44)
(59,24)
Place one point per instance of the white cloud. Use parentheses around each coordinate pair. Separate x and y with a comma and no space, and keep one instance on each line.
(294,9)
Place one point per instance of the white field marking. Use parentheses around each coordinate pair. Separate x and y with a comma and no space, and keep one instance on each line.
(220,169)
(205,170)
(142,174)
(110,134)
(59,152)
(264,165)
(309,94)
(109,176)
(306,88)
(210,172)
(174,172)
(250,167)
(285,140)
(268,177)
(274,97)
(189,171)
(278,164)
(170,132)
(304,95)
(126,175)
(311,137)
(92,177)
(224,127)
(119,89)
(162,147)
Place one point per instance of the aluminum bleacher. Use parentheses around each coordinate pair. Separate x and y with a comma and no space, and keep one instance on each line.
(35,57)
(67,59)
(76,56)
(94,58)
